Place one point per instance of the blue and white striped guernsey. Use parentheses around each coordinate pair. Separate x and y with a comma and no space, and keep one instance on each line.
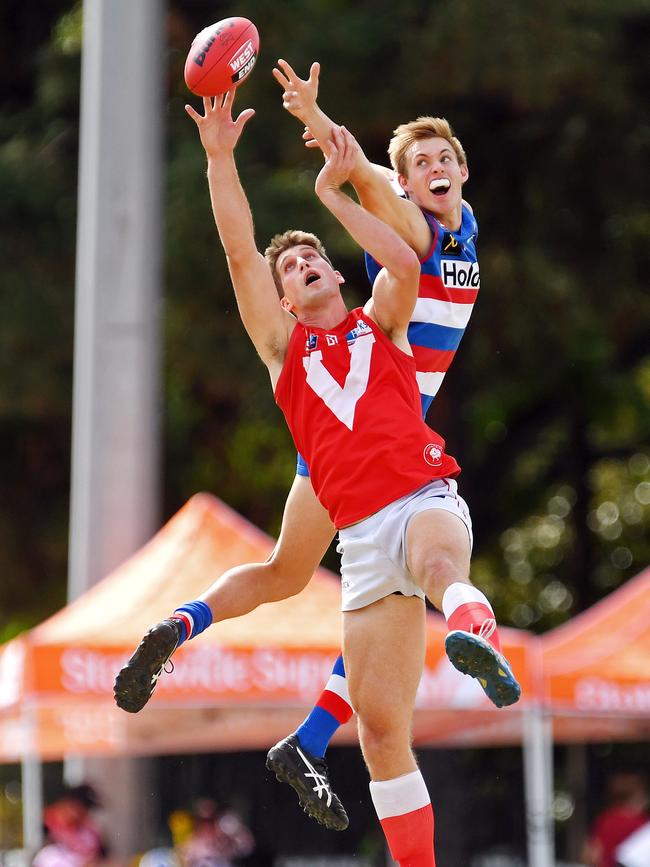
(449,284)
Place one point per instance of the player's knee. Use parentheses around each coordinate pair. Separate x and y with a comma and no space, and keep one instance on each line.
(284,578)
(438,569)
(381,723)
(382,736)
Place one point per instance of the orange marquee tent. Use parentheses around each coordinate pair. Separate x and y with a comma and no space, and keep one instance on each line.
(593,684)
(246,682)
(242,684)
(596,668)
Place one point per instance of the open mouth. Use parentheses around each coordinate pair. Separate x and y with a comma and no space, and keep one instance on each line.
(440,186)
(311,277)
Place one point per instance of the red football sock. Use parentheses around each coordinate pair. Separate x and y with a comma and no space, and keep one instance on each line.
(410,838)
(406,817)
(466,608)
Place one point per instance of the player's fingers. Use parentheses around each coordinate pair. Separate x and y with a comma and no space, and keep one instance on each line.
(281,79)
(193,113)
(227,99)
(347,157)
(314,72)
(331,149)
(312,143)
(244,117)
(288,99)
(350,156)
(351,144)
(343,148)
(287,69)
(338,138)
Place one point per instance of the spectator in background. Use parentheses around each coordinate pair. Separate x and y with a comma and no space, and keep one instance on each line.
(73,838)
(626,812)
(634,851)
(218,837)
(180,824)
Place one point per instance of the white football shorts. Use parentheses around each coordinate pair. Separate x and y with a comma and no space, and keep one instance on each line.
(373,551)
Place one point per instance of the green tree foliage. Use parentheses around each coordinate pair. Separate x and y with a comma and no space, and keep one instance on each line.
(547,404)
(38,173)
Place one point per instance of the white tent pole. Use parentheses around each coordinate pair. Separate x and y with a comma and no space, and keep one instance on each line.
(538,783)
(32,797)
(32,789)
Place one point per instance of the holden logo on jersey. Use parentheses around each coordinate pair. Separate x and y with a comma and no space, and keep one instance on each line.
(460,275)
(451,246)
(433,454)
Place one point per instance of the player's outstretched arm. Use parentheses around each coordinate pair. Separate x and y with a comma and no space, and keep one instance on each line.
(300,97)
(268,325)
(396,289)
(372,183)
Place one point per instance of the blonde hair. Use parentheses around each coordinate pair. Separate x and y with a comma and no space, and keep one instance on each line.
(423,128)
(288,239)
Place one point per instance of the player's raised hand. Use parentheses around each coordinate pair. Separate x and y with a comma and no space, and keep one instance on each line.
(300,94)
(219,133)
(340,159)
(309,139)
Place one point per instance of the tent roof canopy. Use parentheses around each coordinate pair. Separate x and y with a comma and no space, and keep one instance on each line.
(243,683)
(598,661)
(200,542)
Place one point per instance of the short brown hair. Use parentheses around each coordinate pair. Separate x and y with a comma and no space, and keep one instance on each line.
(423,128)
(291,238)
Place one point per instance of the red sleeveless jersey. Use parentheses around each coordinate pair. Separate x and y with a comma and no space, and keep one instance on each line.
(353,407)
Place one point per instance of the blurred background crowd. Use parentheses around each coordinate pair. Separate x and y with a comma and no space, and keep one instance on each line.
(206,835)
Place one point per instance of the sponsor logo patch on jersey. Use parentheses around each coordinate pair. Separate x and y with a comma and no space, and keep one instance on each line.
(362,328)
(451,246)
(460,275)
(433,454)
(311,343)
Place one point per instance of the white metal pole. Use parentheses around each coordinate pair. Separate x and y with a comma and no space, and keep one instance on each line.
(31,785)
(116,399)
(116,396)
(538,784)
(32,800)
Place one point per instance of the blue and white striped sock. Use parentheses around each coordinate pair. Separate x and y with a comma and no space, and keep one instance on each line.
(193,618)
(332,710)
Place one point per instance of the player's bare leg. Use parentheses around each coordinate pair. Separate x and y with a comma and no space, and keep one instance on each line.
(438,557)
(304,537)
(384,654)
